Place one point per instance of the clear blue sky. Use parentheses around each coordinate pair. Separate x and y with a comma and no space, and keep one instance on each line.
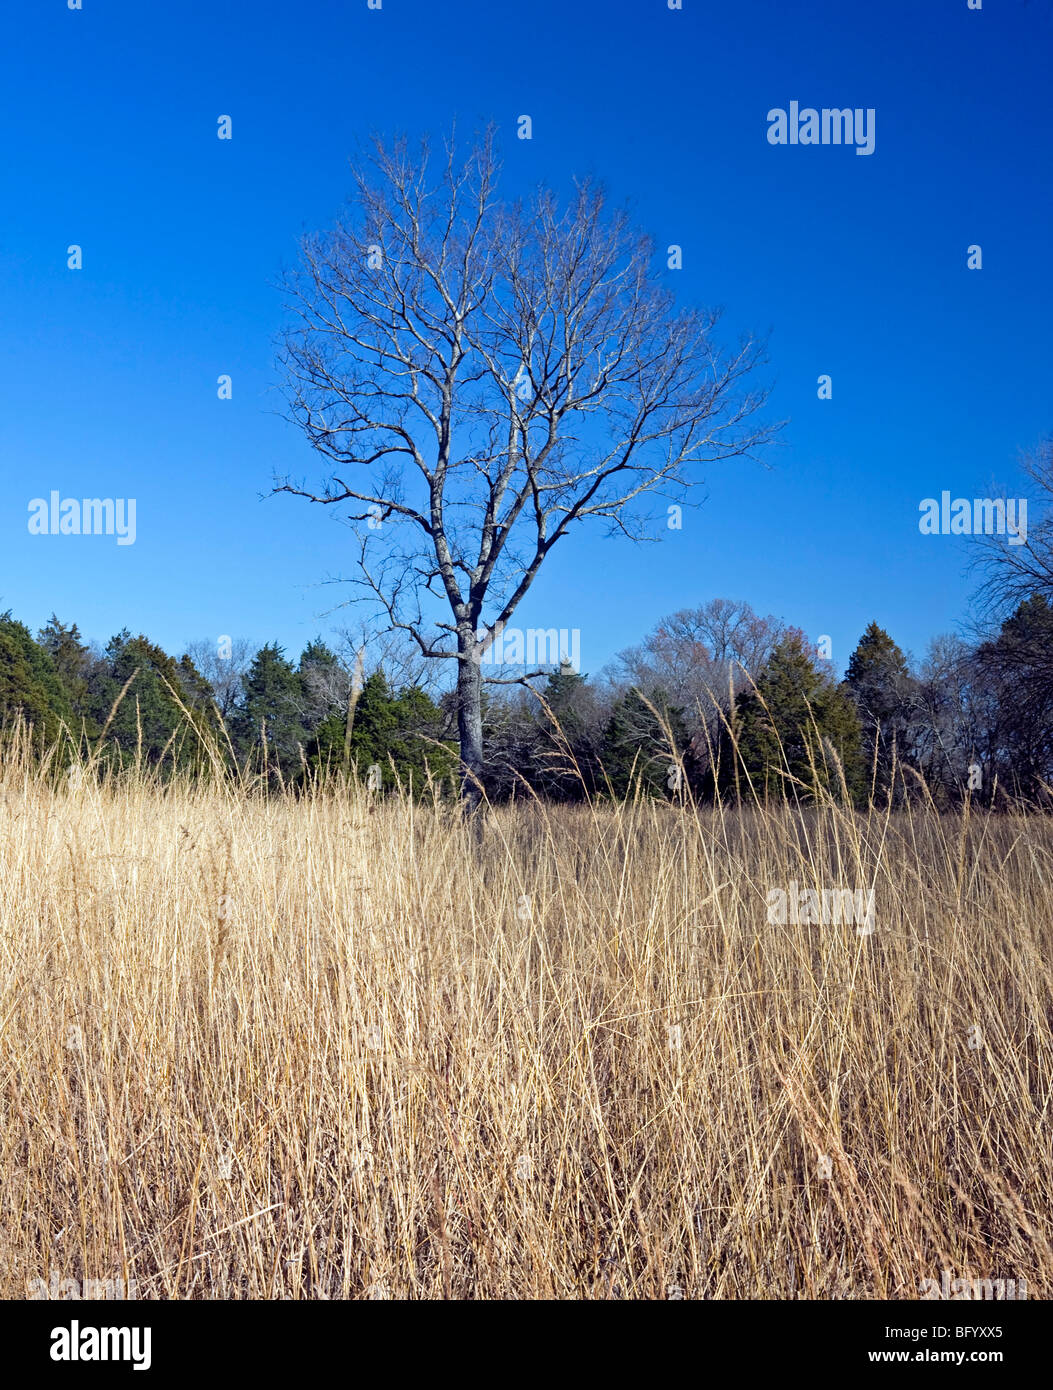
(855,265)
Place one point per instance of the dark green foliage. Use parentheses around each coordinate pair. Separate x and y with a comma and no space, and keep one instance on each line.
(73,664)
(403,728)
(324,684)
(194,686)
(268,726)
(1017,667)
(971,719)
(546,743)
(29,683)
(886,697)
(564,762)
(644,745)
(148,723)
(779,728)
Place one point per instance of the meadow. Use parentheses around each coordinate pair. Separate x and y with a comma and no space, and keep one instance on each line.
(349,1046)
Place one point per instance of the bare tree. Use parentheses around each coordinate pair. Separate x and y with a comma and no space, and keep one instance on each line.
(223,669)
(954,718)
(699,655)
(1019,564)
(393,653)
(483,376)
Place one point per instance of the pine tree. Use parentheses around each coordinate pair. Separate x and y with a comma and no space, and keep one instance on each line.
(778,731)
(565,756)
(29,684)
(399,733)
(150,722)
(270,714)
(885,696)
(73,663)
(637,753)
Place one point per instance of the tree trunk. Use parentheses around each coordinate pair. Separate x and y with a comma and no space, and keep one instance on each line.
(470,725)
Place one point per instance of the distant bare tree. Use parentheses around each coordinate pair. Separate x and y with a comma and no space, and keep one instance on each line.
(954,720)
(222,672)
(1018,567)
(395,653)
(483,376)
(697,654)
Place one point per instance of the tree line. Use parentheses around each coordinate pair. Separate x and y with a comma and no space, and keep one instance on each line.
(131,704)
(716,701)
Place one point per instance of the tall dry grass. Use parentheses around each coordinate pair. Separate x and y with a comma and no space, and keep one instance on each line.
(341,1046)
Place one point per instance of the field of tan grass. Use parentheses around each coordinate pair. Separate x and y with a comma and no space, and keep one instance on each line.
(347,1047)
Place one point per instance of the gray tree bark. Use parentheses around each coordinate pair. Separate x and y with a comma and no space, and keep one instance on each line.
(470,720)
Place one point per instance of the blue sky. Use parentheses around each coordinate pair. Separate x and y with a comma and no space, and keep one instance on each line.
(854,266)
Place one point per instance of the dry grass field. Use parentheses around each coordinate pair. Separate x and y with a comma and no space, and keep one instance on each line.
(346,1047)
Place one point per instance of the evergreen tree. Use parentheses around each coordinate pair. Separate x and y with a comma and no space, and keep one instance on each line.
(402,728)
(73,664)
(636,753)
(324,685)
(29,683)
(778,730)
(885,696)
(196,688)
(270,715)
(149,721)
(1016,669)
(568,745)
